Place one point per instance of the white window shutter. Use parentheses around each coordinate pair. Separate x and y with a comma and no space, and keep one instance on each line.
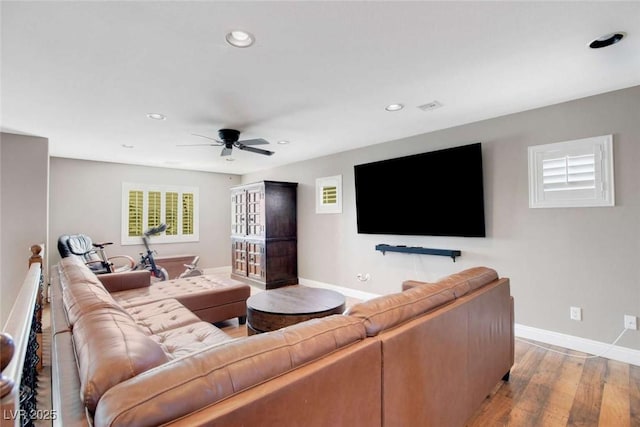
(576,173)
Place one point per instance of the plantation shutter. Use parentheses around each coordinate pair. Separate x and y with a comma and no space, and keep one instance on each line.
(569,173)
(155,209)
(135,213)
(329,195)
(187,213)
(145,206)
(171,213)
(576,173)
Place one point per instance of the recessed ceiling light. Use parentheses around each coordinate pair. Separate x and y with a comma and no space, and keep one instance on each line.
(394,107)
(230,159)
(606,40)
(239,38)
(157,116)
(283,142)
(127,146)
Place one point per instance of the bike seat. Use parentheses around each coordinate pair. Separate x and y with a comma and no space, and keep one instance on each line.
(102,245)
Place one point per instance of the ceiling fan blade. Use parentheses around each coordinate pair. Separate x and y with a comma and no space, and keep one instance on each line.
(257,141)
(255,150)
(226,151)
(198,145)
(207,137)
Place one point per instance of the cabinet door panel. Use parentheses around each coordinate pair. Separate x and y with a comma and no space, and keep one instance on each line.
(255,256)
(255,211)
(239,257)
(239,212)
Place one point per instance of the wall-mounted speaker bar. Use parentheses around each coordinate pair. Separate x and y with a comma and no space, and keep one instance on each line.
(453,253)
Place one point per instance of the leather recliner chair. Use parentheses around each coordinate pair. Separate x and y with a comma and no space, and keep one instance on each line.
(81,245)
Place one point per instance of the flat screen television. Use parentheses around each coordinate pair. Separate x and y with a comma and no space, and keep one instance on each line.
(438,193)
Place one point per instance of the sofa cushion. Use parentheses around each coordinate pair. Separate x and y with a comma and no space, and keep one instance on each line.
(163,315)
(82,298)
(82,292)
(419,297)
(188,339)
(73,270)
(388,311)
(111,348)
(461,283)
(469,280)
(117,282)
(195,293)
(191,383)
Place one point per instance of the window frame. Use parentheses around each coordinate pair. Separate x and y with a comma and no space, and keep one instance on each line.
(603,192)
(146,189)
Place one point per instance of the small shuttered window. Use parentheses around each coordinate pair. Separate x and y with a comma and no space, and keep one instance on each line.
(329,194)
(576,173)
(146,206)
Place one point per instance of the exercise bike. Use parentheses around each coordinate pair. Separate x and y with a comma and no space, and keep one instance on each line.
(192,269)
(147,262)
(107,264)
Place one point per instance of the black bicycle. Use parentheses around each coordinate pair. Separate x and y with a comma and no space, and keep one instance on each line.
(147,262)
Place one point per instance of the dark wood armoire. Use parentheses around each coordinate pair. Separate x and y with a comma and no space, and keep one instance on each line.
(264,234)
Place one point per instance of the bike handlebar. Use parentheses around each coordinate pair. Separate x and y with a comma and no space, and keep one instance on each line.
(156,230)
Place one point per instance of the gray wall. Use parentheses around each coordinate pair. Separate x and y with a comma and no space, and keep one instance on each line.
(24,168)
(86,197)
(556,258)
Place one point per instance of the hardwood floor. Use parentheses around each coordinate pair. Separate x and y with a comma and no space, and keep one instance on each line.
(551,389)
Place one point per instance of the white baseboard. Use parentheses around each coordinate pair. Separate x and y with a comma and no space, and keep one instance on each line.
(614,352)
(214,270)
(349,292)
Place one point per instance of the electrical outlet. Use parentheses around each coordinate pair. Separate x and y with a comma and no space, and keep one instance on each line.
(575,313)
(363,277)
(630,322)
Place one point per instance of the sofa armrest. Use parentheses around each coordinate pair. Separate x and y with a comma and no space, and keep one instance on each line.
(115,282)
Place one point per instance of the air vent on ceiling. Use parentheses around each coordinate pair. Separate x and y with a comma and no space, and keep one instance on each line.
(430,106)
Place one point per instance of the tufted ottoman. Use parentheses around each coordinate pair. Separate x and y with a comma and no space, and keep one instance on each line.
(212,297)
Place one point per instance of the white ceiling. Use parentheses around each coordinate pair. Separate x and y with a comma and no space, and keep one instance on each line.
(85,74)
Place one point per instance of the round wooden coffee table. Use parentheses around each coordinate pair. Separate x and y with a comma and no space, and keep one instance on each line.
(276,308)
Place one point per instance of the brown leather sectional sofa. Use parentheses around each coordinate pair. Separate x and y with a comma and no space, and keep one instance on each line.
(426,356)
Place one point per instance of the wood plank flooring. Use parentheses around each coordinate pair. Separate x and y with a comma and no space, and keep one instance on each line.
(551,389)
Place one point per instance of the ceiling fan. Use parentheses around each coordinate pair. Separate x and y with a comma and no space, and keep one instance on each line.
(229,139)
